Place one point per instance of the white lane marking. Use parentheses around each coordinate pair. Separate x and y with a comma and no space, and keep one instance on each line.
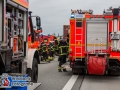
(70,83)
(34,86)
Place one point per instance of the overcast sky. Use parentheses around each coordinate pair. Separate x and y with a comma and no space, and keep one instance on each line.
(55,13)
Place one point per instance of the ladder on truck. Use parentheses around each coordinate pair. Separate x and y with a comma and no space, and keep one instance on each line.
(99,48)
(79,41)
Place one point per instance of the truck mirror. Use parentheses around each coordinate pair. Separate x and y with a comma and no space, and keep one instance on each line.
(38,21)
(39,28)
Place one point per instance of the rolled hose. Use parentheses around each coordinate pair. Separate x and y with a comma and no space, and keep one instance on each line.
(20,43)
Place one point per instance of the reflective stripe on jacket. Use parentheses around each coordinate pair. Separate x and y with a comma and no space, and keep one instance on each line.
(62,50)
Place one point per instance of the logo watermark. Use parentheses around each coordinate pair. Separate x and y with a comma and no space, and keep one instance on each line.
(7,81)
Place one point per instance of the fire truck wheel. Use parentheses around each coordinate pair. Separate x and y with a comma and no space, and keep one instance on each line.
(114,73)
(34,72)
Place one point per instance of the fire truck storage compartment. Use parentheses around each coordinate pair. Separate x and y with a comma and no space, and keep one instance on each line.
(96,28)
(96,39)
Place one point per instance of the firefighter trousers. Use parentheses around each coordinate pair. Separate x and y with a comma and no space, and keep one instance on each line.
(62,60)
(52,54)
(56,51)
(45,56)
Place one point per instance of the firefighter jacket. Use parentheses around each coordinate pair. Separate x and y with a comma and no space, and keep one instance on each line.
(67,47)
(56,47)
(44,48)
(52,48)
(56,44)
(49,48)
(62,50)
(68,40)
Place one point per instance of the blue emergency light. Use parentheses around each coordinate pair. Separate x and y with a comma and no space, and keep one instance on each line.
(72,15)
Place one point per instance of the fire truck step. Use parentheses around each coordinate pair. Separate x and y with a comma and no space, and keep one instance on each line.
(34,86)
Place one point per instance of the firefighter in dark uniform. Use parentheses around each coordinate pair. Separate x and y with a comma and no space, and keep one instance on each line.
(62,56)
(67,41)
(44,52)
(52,50)
(56,46)
(49,51)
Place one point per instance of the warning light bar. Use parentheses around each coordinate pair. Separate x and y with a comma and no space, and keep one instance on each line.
(81,11)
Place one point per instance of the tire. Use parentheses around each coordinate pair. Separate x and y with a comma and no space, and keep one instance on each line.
(114,73)
(34,72)
(78,71)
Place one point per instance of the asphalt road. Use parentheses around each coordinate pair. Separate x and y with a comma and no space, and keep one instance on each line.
(51,79)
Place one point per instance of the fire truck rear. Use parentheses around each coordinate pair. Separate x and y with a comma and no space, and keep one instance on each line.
(95,42)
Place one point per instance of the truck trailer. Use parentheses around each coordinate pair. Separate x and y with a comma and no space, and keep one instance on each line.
(95,42)
(16,58)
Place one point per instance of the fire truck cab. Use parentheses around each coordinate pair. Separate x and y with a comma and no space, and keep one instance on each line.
(95,42)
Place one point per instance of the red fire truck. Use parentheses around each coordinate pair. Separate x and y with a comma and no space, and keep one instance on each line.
(46,39)
(95,42)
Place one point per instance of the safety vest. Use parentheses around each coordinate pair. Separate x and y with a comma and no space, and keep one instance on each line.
(62,50)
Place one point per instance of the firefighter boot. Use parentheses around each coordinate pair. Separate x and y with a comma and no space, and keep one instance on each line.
(49,57)
(52,58)
(59,69)
(47,60)
(64,70)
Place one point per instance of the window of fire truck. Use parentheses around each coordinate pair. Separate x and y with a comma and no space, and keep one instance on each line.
(78,24)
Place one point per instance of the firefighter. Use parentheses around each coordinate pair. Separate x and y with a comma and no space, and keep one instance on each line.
(56,46)
(44,53)
(67,42)
(62,56)
(52,50)
(49,51)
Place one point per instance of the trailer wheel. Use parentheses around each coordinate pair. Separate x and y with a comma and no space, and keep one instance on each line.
(34,72)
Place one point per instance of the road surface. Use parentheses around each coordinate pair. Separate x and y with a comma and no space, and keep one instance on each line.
(51,79)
